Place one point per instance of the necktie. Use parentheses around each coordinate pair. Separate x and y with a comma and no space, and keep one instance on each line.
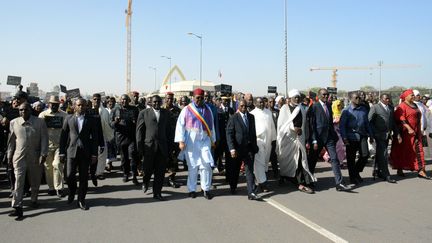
(245,120)
(326,110)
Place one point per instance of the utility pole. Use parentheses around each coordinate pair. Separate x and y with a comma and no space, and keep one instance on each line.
(286,50)
(380,63)
(128,12)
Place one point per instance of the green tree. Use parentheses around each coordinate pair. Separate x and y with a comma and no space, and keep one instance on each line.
(368,88)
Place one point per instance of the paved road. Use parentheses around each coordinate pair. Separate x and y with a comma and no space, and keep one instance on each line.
(375,212)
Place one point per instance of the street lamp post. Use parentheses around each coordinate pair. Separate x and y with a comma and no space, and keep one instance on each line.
(169,58)
(200,37)
(155,70)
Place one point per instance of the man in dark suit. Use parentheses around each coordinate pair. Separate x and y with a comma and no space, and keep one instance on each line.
(242,143)
(324,135)
(382,124)
(79,141)
(123,120)
(224,113)
(154,136)
(172,164)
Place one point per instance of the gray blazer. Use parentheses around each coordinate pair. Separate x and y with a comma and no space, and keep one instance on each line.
(27,140)
(382,121)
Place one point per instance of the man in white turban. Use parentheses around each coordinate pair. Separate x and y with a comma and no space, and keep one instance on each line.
(266,133)
(290,142)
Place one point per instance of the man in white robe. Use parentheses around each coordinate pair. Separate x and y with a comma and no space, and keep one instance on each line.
(196,135)
(266,133)
(290,142)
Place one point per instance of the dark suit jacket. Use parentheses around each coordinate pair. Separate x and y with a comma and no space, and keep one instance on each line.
(321,124)
(223,118)
(70,135)
(382,122)
(152,135)
(239,137)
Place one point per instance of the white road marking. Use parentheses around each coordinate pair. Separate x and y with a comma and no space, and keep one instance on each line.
(329,235)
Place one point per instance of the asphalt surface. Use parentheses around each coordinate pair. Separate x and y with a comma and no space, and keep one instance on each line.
(376,211)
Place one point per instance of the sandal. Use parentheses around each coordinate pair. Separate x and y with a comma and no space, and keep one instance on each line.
(424,176)
(307,190)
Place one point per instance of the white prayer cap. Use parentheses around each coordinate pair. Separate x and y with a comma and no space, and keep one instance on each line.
(429,103)
(279,98)
(293,93)
(416,92)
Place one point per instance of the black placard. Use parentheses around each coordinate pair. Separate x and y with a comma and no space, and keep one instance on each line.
(54,121)
(13,80)
(63,88)
(332,90)
(223,88)
(272,89)
(73,93)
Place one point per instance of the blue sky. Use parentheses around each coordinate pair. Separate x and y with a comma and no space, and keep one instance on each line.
(82,43)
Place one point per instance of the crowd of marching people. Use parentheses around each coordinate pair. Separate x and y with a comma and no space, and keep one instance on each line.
(75,141)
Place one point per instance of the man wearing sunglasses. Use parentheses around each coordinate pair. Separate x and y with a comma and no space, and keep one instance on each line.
(355,129)
(324,135)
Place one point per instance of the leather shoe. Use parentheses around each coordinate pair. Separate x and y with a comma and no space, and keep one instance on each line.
(343,187)
(18,213)
(208,195)
(82,205)
(192,194)
(34,204)
(159,197)
(233,191)
(172,183)
(145,187)
(51,192)
(390,180)
(70,198)
(101,177)
(94,180)
(125,178)
(254,196)
(15,213)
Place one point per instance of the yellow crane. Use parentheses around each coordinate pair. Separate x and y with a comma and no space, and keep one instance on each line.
(378,66)
(128,12)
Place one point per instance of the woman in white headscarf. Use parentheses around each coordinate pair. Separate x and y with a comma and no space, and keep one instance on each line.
(290,146)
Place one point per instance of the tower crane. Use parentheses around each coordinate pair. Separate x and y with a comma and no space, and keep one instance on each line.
(128,13)
(372,67)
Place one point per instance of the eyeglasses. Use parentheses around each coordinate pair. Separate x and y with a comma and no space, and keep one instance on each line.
(325,94)
(198,97)
(242,105)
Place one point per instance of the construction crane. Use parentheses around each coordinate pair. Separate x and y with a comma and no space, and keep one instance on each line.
(128,12)
(378,66)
